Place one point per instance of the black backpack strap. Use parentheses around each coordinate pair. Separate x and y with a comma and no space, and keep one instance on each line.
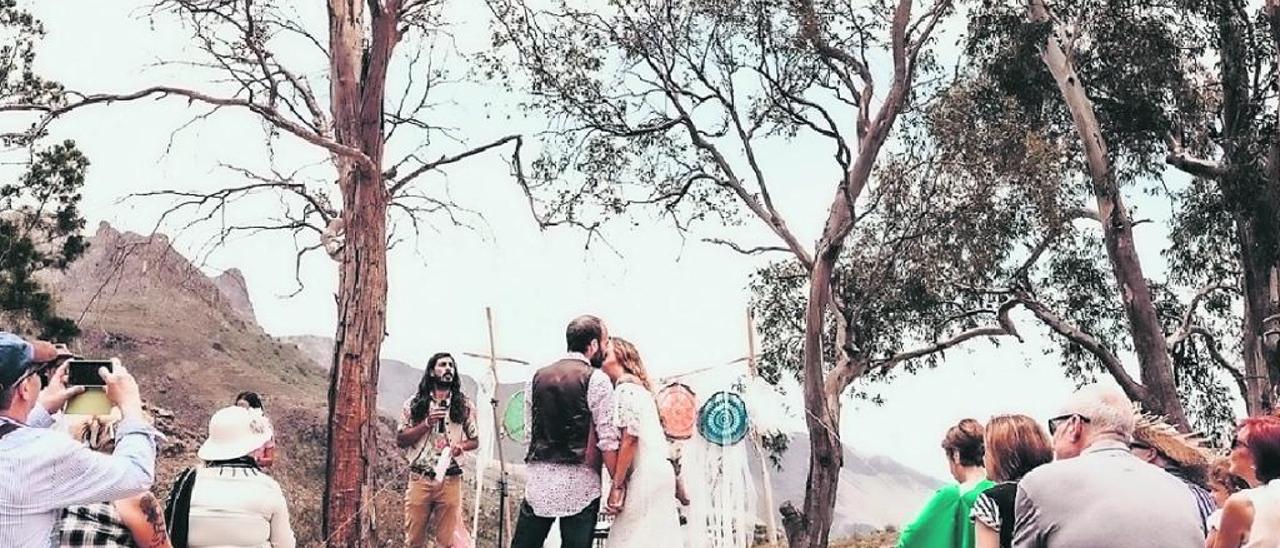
(177,510)
(7,427)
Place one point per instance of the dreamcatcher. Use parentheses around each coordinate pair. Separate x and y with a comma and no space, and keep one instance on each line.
(725,508)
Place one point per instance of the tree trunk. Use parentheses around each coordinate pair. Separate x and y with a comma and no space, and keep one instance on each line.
(1252,196)
(1117,230)
(362,297)
(357,73)
(812,529)
(1259,353)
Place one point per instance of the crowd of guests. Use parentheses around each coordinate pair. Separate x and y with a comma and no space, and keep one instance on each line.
(80,480)
(1102,474)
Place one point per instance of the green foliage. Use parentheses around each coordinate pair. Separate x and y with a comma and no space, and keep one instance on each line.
(1138,62)
(40,223)
(1143,65)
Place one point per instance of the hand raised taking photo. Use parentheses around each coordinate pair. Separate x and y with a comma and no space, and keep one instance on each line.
(122,389)
(55,396)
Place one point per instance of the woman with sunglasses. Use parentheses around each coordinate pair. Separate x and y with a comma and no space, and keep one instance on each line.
(944,521)
(1251,518)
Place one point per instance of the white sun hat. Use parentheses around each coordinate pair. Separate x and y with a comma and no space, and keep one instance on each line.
(234,432)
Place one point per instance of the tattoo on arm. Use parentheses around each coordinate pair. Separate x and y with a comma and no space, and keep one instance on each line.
(155,518)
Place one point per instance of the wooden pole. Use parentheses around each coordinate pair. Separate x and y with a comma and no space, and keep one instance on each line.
(753,370)
(504,513)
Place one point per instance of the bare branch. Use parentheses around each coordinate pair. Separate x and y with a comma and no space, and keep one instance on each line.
(269,114)
(1215,353)
(1004,327)
(1061,326)
(746,251)
(1185,330)
(446,160)
(1179,157)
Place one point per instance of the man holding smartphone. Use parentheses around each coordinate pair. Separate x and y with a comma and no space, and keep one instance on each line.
(45,471)
(436,426)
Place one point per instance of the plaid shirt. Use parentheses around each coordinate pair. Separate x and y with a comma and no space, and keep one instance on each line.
(46,471)
(94,525)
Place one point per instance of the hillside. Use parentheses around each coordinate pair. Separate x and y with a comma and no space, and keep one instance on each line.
(193,344)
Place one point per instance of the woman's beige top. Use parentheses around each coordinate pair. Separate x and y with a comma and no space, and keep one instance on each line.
(238,508)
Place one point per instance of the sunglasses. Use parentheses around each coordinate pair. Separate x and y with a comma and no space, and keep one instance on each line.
(1057,421)
(43,371)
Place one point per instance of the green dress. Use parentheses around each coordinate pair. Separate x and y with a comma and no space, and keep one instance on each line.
(944,521)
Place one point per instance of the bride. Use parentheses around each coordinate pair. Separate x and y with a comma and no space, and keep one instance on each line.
(643,494)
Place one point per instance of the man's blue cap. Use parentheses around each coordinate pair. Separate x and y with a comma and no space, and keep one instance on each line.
(17,356)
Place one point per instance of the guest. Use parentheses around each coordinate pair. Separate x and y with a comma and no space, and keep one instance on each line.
(1182,455)
(1015,445)
(944,521)
(266,456)
(1222,484)
(1097,493)
(1241,459)
(1251,518)
(130,522)
(37,462)
(230,502)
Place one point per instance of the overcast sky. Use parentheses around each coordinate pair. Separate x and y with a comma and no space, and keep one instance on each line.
(682,302)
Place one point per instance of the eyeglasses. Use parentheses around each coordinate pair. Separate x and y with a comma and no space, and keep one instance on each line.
(1057,421)
(41,372)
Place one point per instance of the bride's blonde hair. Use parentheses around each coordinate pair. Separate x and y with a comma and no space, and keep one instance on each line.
(629,358)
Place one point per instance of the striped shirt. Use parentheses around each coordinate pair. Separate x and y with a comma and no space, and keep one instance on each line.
(44,471)
(1204,501)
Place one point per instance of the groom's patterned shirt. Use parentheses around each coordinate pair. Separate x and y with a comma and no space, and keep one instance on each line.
(557,490)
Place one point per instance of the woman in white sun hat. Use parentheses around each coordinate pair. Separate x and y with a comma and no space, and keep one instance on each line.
(230,502)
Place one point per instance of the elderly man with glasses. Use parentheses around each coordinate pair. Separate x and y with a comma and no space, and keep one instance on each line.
(45,471)
(1097,493)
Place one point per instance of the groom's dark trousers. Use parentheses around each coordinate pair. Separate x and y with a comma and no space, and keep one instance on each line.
(575,530)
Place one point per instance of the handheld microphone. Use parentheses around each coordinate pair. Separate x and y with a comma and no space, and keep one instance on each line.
(444,404)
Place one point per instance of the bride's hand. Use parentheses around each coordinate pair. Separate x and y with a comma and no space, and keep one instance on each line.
(617,496)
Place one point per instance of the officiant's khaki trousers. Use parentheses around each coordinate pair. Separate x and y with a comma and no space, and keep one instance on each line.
(431,509)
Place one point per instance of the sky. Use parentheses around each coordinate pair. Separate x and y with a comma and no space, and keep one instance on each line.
(681,301)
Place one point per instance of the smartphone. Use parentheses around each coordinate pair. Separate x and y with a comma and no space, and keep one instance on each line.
(85,372)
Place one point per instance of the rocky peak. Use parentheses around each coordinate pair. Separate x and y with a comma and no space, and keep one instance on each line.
(234,289)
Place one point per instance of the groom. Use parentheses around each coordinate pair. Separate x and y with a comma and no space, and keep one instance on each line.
(568,406)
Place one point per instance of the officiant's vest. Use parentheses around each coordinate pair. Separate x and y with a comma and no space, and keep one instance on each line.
(561,417)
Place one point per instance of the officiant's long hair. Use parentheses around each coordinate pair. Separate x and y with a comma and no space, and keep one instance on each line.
(458,407)
(629,358)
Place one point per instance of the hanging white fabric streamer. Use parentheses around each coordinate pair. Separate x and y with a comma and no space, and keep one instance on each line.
(730,519)
(488,439)
(766,407)
(693,467)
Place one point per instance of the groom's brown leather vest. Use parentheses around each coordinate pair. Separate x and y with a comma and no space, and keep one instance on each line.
(561,416)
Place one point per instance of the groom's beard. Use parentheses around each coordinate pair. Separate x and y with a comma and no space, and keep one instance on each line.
(597,359)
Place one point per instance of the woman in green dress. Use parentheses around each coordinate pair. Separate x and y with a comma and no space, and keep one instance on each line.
(944,522)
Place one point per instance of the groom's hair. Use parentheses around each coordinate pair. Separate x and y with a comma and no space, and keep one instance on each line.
(581,331)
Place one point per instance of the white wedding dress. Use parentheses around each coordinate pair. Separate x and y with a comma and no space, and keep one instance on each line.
(648,517)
